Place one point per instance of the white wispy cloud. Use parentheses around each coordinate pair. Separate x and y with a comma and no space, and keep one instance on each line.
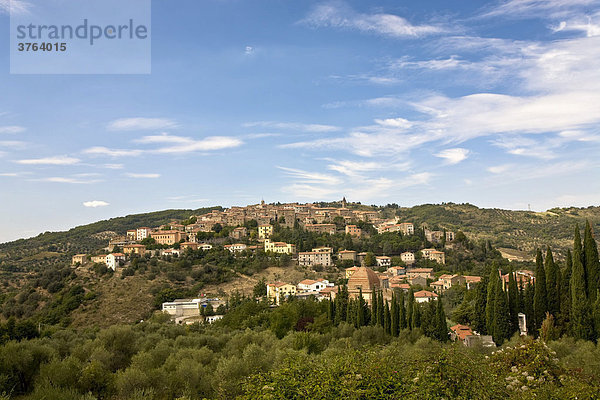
(499,169)
(359,168)
(171,145)
(15,7)
(12,143)
(537,8)
(57,160)
(142,176)
(105,151)
(453,62)
(588,24)
(72,180)
(139,124)
(187,199)
(316,128)
(509,173)
(310,177)
(113,166)
(95,203)
(339,15)
(12,129)
(453,156)
(189,145)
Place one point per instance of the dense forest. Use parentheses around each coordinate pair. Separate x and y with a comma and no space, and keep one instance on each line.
(291,352)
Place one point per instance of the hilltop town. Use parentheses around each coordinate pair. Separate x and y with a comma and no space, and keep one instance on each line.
(416,266)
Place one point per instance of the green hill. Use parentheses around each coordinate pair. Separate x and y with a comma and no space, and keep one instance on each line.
(521,230)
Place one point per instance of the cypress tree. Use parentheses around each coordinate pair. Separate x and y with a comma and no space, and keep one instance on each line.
(592,264)
(441,325)
(351,312)
(402,311)
(331,310)
(416,315)
(479,320)
(577,247)
(540,299)
(373,307)
(513,303)
(341,305)
(582,324)
(491,298)
(521,297)
(360,310)
(596,315)
(394,317)
(502,329)
(380,319)
(528,307)
(565,296)
(410,308)
(386,318)
(552,281)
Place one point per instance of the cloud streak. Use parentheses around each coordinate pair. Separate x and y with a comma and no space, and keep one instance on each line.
(140,124)
(339,15)
(95,204)
(295,126)
(11,129)
(57,160)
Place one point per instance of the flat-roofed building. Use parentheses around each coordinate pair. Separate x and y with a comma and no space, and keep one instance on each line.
(280,247)
(310,258)
(138,249)
(383,261)
(79,258)
(349,255)
(321,228)
(167,237)
(265,231)
(353,230)
(279,291)
(408,257)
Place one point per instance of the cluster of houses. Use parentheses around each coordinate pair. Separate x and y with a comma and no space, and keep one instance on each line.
(310,217)
(364,280)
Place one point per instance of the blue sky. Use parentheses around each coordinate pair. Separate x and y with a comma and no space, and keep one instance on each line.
(496,104)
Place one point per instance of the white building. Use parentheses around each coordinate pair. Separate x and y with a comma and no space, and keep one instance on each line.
(236,247)
(182,307)
(384,261)
(309,285)
(408,257)
(112,260)
(142,233)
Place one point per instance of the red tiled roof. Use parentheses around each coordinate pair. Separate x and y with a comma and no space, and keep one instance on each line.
(425,293)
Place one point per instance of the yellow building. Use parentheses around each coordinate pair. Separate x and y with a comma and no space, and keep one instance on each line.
(167,237)
(101,259)
(434,255)
(265,231)
(280,247)
(278,291)
(138,249)
(79,258)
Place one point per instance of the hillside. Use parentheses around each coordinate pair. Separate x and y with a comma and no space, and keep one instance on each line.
(521,230)
(37,281)
(51,247)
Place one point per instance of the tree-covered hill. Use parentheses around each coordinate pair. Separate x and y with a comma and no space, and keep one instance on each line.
(59,246)
(523,230)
